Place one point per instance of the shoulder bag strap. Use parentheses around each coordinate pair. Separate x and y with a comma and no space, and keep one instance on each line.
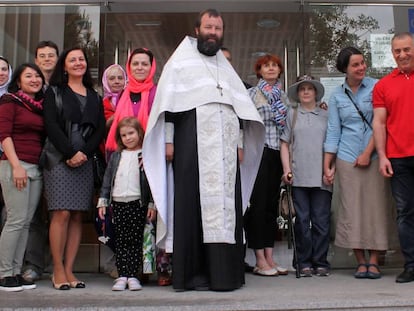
(357,108)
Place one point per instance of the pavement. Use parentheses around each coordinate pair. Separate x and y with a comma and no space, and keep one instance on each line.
(339,291)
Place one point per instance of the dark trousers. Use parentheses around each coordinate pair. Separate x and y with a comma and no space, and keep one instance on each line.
(313,208)
(129,220)
(402,185)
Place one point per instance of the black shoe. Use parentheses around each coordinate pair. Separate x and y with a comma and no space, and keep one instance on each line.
(10,284)
(248,268)
(406,276)
(26,284)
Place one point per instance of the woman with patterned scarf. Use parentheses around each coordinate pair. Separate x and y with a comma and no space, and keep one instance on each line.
(260,219)
(21,135)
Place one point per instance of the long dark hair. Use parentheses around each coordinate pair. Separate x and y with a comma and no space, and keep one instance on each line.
(14,87)
(60,78)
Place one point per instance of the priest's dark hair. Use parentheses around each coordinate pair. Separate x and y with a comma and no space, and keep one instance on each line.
(210,12)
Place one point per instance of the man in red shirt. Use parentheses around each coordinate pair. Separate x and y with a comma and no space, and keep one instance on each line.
(394,140)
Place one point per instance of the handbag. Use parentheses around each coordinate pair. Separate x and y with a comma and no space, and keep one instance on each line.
(148,249)
(49,155)
(284,197)
(99,166)
(105,229)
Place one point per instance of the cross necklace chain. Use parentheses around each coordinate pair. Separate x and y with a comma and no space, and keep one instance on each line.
(218,86)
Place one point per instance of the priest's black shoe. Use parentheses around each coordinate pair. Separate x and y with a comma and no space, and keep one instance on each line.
(406,276)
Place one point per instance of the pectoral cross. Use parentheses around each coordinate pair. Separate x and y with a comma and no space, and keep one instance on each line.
(220,89)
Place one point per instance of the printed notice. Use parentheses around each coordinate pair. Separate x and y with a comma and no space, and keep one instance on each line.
(329,84)
(381,55)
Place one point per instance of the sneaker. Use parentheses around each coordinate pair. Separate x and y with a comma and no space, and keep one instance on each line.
(120,284)
(134,284)
(321,271)
(25,283)
(10,284)
(306,272)
(31,275)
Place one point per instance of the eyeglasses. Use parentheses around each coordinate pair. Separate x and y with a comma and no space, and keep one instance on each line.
(304,78)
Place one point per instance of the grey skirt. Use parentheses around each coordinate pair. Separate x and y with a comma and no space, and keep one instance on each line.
(364,207)
(69,188)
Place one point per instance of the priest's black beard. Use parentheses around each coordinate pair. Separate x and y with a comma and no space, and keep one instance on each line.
(208,48)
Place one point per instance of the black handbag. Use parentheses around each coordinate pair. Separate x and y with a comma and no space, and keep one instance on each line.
(50,156)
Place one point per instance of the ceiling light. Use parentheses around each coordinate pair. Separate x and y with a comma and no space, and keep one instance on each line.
(149,23)
(268,23)
(258,54)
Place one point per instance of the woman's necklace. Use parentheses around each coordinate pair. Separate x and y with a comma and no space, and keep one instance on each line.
(218,86)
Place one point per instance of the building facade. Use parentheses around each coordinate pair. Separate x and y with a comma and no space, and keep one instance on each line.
(306,34)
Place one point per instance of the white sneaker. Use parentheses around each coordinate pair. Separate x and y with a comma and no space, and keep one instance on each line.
(134,284)
(120,284)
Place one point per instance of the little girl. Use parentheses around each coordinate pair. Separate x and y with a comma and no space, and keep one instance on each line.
(125,188)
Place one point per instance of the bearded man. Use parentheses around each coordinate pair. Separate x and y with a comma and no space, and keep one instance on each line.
(201,122)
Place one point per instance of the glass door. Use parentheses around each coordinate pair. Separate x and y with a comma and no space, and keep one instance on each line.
(251,29)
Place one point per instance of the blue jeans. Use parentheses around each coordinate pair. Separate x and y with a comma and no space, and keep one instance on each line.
(312,223)
(402,185)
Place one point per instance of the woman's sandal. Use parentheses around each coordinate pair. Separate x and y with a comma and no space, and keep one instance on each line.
(60,286)
(373,275)
(361,274)
(77,284)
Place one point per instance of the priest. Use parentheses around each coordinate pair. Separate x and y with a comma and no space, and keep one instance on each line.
(201,153)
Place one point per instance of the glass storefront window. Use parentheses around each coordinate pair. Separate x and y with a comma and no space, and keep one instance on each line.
(306,36)
(22,27)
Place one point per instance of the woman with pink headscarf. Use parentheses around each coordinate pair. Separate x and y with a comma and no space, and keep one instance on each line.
(113,81)
(137,97)
(136,100)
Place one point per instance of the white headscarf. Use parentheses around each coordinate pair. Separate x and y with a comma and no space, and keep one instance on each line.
(3,88)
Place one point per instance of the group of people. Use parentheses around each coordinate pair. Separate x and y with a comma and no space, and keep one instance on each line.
(204,158)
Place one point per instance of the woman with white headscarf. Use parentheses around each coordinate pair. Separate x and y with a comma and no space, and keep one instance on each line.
(5,74)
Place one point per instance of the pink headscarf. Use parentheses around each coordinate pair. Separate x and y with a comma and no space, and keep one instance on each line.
(124,106)
(113,97)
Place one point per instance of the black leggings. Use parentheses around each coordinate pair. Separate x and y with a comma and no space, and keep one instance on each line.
(129,220)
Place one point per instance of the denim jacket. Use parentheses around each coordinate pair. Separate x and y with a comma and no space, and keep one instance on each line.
(105,197)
